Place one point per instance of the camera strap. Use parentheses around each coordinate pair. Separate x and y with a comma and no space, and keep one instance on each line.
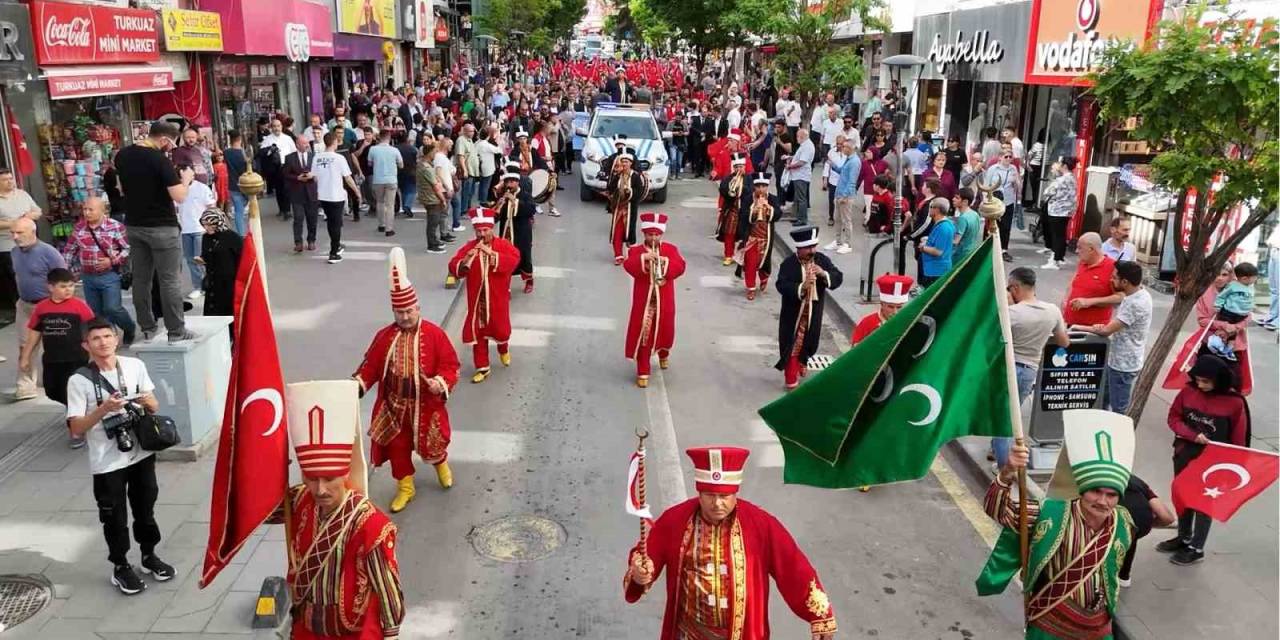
(99,382)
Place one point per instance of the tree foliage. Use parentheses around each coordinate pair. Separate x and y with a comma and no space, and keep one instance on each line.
(1207,98)
(702,24)
(533,25)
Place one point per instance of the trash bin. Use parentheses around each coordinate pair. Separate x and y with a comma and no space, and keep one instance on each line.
(191,381)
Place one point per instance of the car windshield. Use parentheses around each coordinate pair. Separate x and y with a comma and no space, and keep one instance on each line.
(608,126)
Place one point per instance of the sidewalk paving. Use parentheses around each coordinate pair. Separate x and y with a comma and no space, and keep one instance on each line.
(48,517)
(1233,593)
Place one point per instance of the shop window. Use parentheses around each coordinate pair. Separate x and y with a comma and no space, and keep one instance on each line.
(77,146)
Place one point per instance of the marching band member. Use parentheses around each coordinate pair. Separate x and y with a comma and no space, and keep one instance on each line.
(735,196)
(803,280)
(486,263)
(654,265)
(626,189)
(755,235)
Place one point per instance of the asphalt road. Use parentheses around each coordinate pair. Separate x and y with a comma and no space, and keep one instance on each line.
(550,437)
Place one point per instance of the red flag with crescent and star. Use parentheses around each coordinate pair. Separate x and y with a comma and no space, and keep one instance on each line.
(252,471)
(1222,479)
(22,161)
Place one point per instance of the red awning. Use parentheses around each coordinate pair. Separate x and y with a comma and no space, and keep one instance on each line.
(91,81)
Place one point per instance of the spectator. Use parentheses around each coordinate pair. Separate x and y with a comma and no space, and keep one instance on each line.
(273,148)
(199,198)
(220,258)
(313,134)
(955,158)
(98,250)
(831,179)
(1003,178)
(237,165)
(1147,512)
(800,170)
(917,159)
(968,224)
(332,173)
(468,156)
(33,259)
(990,145)
(444,175)
(385,162)
(971,173)
(1128,331)
(832,129)
(880,220)
(1235,333)
(938,171)
(1117,246)
(680,143)
(850,130)
(850,203)
(14,204)
(1031,324)
(189,153)
(432,197)
(1010,136)
(151,187)
(936,250)
(1060,205)
(221,180)
(56,323)
(1090,297)
(404,175)
(489,153)
(124,477)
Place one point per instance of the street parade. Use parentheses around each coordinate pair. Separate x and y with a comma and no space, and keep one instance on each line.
(1008,269)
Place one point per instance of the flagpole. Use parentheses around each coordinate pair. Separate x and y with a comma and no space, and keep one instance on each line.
(641,434)
(252,185)
(1015,405)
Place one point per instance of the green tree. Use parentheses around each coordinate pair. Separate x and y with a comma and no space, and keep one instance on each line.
(1207,98)
(701,24)
(532,25)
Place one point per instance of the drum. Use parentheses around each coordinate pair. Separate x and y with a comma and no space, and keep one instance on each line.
(542,184)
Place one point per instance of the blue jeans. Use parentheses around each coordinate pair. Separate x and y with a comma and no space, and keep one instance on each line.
(408,193)
(190,251)
(483,189)
(102,293)
(455,206)
(1026,376)
(469,192)
(1119,389)
(677,160)
(238,203)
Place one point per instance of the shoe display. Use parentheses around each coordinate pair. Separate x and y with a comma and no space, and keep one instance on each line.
(1186,557)
(128,582)
(405,492)
(153,566)
(444,475)
(1171,545)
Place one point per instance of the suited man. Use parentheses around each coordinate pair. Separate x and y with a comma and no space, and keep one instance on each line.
(696,140)
(303,195)
(617,87)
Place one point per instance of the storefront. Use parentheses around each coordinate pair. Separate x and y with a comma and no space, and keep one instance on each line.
(264,69)
(96,60)
(973,77)
(20,92)
(1064,46)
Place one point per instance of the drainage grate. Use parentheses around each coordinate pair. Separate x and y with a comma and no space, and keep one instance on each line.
(518,538)
(819,362)
(22,597)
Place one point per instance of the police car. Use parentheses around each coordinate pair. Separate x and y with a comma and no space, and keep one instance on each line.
(638,125)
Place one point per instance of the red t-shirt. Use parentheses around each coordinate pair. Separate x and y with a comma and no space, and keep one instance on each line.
(1090,282)
(60,325)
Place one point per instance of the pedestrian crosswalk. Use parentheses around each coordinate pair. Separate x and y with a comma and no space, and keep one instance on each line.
(550,321)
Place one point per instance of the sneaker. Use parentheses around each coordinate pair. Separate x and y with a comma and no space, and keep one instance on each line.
(1050,265)
(1187,557)
(381,228)
(844,248)
(390,233)
(449,238)
(342,248)
(435,249)
(297,247)
(554,213)
(1008,257)
(195,295)
(1171,545)
(335,258)
(458,227)
(1125,582)
(830,246)
(149,334)
(128,582)
(1044,250)
(75,442)
(153,566)
(182,337)
(311,246)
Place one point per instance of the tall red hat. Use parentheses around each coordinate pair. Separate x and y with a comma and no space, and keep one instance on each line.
(403,295)
(481,217)
(718,469)
(655,221)
(894,288)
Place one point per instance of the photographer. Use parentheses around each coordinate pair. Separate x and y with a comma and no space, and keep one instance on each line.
(104,399)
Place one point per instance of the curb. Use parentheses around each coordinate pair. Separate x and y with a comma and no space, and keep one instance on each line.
(32,446)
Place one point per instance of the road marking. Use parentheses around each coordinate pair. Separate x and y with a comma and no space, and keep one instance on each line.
(532,338)
(304,319)
(753,345)
(364,256)
(987,528)
(662,442)
(435,619)
(540,271)
(718,282)
(767,452)
(700,202)
(549,321)
(493,447)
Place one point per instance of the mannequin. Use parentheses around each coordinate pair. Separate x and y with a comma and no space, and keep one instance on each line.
(1002,116)
(973,138)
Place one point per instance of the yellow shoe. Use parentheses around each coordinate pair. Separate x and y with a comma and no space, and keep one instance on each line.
(450,282)
(727,262)
(479,376)
(864,488)
(642,382)
(663,363)
(505,359)
(444,475)
(404,494)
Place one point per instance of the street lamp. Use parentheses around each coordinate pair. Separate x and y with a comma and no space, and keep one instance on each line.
(897,64)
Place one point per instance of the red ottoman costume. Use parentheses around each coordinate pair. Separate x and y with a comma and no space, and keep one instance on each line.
(654,265)
(487,263)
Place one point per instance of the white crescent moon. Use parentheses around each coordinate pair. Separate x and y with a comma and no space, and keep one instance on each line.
(932,326)
(1240,472)
(277,406)
(887,388)
(930,394)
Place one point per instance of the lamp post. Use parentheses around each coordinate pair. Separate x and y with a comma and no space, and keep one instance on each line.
(897,64)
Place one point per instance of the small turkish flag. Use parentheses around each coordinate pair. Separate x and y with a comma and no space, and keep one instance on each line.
(251,474)
(1222,479)
(22,160)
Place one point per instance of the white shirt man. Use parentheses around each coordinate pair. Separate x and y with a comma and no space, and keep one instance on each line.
(790,110)
(832,127)
(282,141)
(735,115)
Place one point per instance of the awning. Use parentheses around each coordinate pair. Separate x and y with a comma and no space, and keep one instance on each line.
(91,81)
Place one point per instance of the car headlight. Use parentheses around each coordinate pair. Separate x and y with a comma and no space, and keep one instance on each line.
(593,156)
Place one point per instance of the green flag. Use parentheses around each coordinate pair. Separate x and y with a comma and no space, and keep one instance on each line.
(934,372)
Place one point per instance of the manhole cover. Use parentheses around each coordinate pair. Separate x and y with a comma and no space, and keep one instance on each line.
(818,362)
(22,597)
(518,538)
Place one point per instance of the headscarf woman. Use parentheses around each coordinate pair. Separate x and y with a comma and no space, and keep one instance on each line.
(220,255)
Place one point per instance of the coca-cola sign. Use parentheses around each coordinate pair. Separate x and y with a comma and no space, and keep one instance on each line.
(87,34)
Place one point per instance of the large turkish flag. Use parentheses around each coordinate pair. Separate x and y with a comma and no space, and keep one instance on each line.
(252,472)
(1222,479)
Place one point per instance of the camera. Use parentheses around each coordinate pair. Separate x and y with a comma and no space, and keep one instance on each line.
(119,426)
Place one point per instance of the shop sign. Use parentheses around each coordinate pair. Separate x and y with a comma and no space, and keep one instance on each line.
(442,31)
(111,81)
(985,45)
(1069,36)
(92,34)
(424,24)
(297,42)
(11,43)
(368,17)
(1071,376)
(191,30)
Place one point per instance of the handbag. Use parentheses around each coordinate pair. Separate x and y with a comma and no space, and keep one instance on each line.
(153,432)
(126,274)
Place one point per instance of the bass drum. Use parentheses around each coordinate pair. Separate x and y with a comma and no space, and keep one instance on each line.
(542,185)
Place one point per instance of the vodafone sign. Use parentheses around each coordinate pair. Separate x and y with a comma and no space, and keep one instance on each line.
(1069,36)
(92,34)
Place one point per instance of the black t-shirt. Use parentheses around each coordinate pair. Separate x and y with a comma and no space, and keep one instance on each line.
(1136,499)
(59,325)
(410,155)
(145,177)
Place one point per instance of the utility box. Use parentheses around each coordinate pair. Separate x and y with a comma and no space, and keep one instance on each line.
(1071,377)
(191,381)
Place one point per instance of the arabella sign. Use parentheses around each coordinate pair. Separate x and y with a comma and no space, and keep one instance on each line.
(984,45)
(981,48)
